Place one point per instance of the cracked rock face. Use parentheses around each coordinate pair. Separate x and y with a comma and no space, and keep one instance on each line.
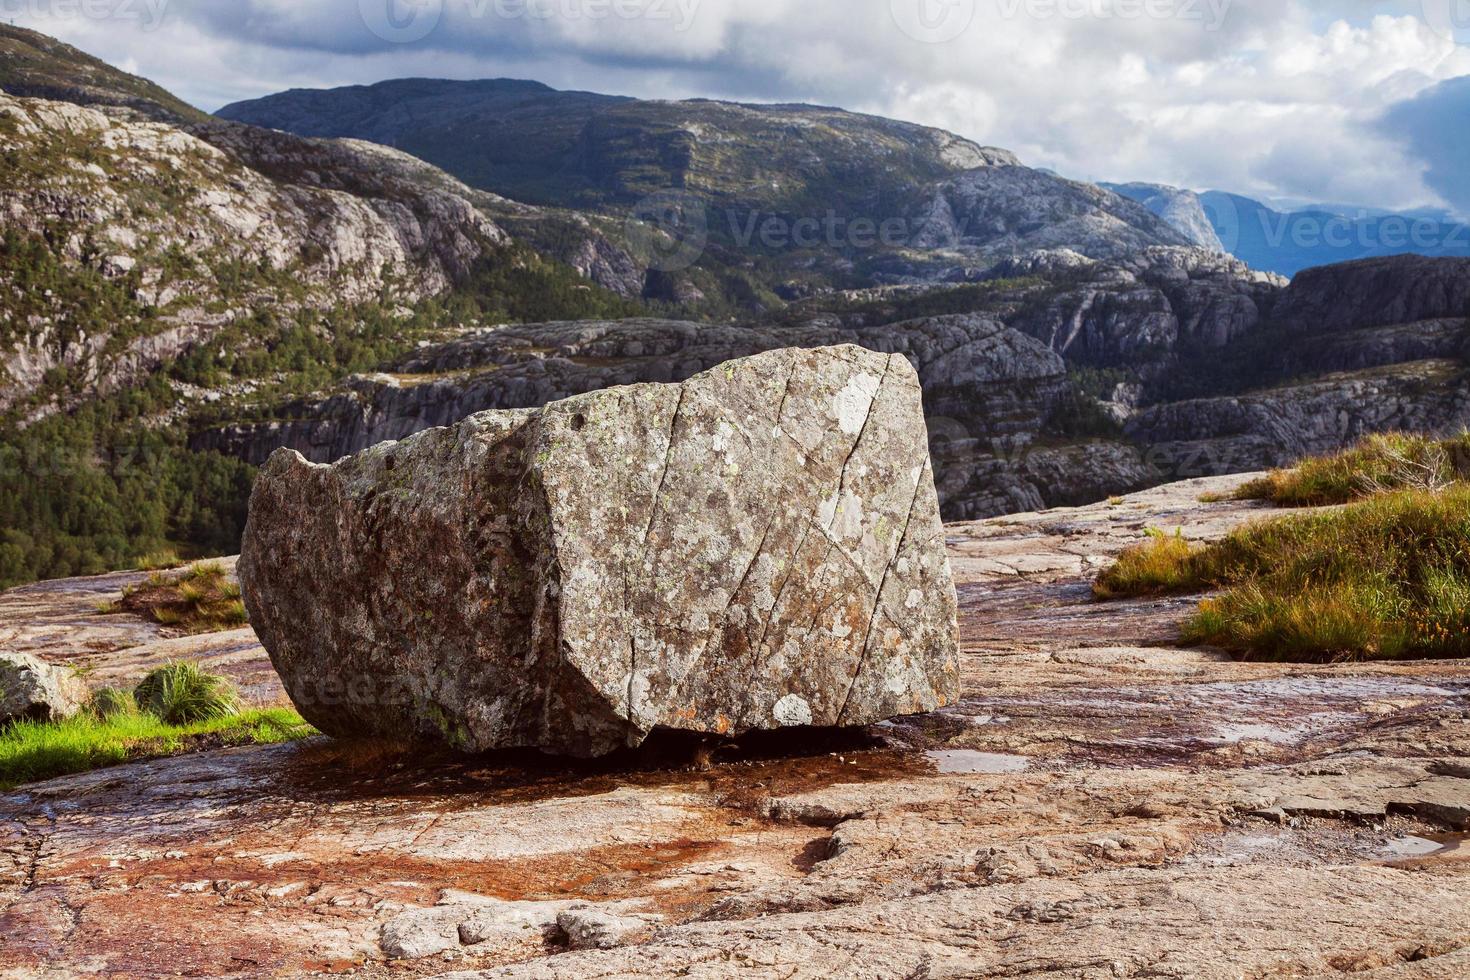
(757,548)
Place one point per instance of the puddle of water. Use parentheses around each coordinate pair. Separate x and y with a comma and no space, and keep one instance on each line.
(1413,849)
(969,762)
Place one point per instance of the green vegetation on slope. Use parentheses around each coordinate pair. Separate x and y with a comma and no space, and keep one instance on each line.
(1385,578)
(1393,461)
(112,479)
(90,491)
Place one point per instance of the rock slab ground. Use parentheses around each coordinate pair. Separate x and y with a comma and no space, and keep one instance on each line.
(1099,804)
(757,548)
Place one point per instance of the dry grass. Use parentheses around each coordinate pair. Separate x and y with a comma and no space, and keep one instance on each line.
(199,600)
(1385,578)
(1161,565)
(1379,464)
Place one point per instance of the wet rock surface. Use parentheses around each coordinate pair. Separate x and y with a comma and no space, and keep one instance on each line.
(759,548)
(1177,815)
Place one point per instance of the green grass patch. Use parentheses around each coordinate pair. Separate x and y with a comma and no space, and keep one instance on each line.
(1386,578)
(1378,464)
(34,751)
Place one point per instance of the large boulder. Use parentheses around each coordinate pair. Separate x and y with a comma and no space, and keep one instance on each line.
(33,690)
(759,547)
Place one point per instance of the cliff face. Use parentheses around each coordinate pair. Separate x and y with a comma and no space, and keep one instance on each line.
(989,391)
(1141,312)
(1064,386)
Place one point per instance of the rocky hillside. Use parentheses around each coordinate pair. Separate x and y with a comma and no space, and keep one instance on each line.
(185,234)
(775,201)
(37,66)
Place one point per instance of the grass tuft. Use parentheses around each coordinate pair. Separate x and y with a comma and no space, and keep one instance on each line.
(1385,578)
(111,702)
(183,694)
(1163,564)
(202,599)
(1379,464)
(156,561)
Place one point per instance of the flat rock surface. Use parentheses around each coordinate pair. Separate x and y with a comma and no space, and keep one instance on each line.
(1100,804)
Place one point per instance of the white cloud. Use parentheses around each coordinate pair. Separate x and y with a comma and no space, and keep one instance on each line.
(1272,97)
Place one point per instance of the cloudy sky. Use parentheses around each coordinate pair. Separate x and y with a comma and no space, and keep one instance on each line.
(1352,101)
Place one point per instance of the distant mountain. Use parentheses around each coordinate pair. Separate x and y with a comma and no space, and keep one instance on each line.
(1182,210)
(1286,242)
(579,149)
(785,200)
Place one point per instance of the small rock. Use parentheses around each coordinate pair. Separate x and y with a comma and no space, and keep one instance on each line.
(501,923)
(33,690)
(599,929)
(418,933)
